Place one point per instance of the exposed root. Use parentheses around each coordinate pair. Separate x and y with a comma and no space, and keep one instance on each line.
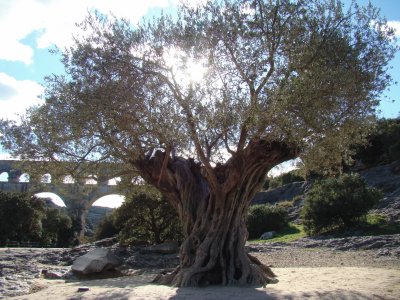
(166,278)
(266,270)
(259,275)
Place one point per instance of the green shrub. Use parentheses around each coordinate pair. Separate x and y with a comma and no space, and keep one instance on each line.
(337,202)
(286,204)
(106,227)
(265,217)
(383,144)
(284,179)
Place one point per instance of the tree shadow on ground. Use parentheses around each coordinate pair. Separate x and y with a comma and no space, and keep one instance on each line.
(247,293)
(140,287)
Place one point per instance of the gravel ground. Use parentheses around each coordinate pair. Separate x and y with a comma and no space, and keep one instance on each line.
(322,257)
(20,267)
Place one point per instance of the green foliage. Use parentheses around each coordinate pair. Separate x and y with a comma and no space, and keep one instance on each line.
(284,179)
(289,233)
(337,202)
(20,217)
(25,218)
(383,143)
(56,227)
(143,217)
(276,71)
(265,217)
(106,227)
(376,224)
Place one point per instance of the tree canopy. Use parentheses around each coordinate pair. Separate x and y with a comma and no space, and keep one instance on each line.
(304,72)
(204,104)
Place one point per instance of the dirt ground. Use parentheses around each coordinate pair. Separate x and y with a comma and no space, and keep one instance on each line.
(294,283)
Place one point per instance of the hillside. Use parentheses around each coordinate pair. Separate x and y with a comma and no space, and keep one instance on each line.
(95,214)
(384,177)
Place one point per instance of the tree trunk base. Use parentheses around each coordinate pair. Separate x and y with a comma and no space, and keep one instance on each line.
(260,275)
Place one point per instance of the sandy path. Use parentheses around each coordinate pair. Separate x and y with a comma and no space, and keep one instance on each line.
(294,283)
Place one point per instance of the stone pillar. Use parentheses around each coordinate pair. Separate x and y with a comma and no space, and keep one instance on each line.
(13,176)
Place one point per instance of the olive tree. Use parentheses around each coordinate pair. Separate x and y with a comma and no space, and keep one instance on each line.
(203,104)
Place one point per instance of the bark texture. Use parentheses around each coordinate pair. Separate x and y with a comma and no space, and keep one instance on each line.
(213,214)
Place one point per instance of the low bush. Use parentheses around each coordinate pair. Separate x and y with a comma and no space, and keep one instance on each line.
(376,224)
(337,203)
(383,144)
(265,217)
(283,179)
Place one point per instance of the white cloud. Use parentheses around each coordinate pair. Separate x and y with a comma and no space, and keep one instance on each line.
(17,20)
(56,20)
(396,26)
(17,95)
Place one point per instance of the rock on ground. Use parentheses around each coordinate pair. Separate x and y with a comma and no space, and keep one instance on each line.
(96,261)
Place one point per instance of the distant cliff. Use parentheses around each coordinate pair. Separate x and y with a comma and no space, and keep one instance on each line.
(96,213)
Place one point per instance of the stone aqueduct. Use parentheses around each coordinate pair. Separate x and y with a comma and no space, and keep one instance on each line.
(78,197)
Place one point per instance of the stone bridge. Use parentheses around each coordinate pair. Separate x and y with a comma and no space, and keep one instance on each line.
(78,196)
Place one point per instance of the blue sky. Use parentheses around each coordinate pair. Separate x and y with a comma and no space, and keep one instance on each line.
(29,28)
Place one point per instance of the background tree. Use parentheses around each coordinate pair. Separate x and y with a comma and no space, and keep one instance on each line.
(56,227)
(147,217)
(383,144)
(144,217)
(106,227)
(20,217)
(203,105)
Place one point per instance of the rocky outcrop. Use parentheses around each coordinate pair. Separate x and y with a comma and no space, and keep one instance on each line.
(286,192)
(164,248)
(94,216)
(385,177)
(96,261)
(384,245)
(20,267)
(267,235)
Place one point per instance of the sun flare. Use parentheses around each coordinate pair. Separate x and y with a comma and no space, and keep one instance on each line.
(184,68)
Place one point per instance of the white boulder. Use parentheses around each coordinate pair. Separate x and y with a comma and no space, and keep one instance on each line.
(96,261)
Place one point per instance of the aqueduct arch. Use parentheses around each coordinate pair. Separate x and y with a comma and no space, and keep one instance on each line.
(77,196)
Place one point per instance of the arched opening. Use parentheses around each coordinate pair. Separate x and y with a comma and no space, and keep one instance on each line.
(4,177)
(91,180)
(54,198)
(111,201)
(68,179)
(100,209)
(24,177)
(284,167)
(46,178)
(114,181)
(138,180)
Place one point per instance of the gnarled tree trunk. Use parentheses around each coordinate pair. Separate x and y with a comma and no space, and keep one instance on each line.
(214,219)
